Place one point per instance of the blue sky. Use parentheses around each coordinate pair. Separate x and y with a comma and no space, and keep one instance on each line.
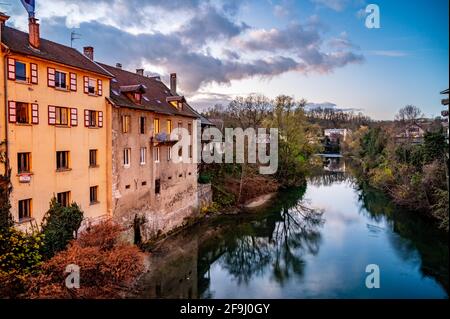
(314,49)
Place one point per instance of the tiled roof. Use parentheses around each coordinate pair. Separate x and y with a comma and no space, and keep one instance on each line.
(17,41)
(155,96)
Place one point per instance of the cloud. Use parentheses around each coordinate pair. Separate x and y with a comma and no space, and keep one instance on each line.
(280,11)
(329,105)
(205,100)
(389,53)
(204,41)
(337,5)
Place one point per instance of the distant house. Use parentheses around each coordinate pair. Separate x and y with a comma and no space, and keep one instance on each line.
(414,132)
(337,133)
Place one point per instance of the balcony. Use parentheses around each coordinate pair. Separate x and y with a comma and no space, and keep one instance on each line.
(163,138)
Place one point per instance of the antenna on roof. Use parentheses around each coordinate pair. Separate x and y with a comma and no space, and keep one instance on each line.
(74,36)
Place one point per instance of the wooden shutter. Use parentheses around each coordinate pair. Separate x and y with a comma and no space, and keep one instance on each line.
(86,84)
(100,119)
(11,69)
(51,77)
(51,115)
(100,87)
(73,81)
(73,117)
(34,113)
(12,111)
(86,118)
(34,73)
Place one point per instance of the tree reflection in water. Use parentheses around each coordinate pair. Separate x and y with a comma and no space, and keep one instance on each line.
(277,242)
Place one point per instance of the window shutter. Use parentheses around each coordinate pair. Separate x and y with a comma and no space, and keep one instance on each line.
(86,84)
(51,77)
(86,118)
(100,87)
(12,111)
(73,81)
(73,117)
(100,119)
(11,69)
(51,115)
(35,113)
(34,73)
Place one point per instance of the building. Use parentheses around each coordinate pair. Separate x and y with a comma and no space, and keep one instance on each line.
(147,185)
(56,125)
(337,133)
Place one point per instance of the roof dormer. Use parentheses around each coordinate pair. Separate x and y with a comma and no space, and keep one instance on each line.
(176,101)
(133,92)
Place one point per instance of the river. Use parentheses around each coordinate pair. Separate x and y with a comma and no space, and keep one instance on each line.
(311,242)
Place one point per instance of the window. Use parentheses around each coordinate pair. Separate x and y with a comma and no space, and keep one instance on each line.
(156,126)
(180,124)
(63,198)
(157,186)
(93,194)
(60,80)
(157,154)
(62,160)
(23,162)
(24,209)
(142,125)
(126,157)
(92,118)
(169,153)
(127,186)
(143,155)
(92,158)
(21,71)
(92,86)
(169,126)
(190,128)
(125,123)
(190,151)
(23,113)
(138,97)
(62,115)
(144,183)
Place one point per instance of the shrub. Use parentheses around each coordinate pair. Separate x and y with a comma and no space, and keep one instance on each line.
(107,268)
(59,226)
(20,256)
(204,178)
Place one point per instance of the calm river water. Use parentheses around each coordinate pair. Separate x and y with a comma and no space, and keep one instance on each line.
(308,243)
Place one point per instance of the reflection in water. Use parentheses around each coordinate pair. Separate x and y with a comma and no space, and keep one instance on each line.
(292,249)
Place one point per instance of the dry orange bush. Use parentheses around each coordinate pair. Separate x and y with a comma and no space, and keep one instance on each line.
(107,268)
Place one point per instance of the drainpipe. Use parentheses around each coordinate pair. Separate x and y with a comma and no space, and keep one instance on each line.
(5,79)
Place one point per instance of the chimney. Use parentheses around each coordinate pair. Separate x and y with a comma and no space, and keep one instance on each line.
(89,52)
(3,19)
(173,83)
(140,71)
(119,65)
(33,33)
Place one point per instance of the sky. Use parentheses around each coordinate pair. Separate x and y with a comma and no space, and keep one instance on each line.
(319,50)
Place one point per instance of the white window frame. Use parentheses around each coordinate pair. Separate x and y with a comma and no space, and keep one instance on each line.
(126,157)
(157,154)
(143,155)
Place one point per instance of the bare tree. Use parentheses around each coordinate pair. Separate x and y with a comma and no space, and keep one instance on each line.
(409,113)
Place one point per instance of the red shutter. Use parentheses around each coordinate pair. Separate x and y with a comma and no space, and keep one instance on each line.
(34,73)
(100,119)
(86,84)
(51,77)
(11,69)
(73,117)
(51,115)
(86,118)
(34,113)
(12,111)
(73,81)
(100,87)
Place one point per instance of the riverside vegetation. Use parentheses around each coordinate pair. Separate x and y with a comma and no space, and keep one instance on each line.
(414,175)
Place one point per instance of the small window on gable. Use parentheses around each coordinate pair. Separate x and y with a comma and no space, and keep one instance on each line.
(138,97)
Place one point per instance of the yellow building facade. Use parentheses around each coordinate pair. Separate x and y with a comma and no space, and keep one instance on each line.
(56,124)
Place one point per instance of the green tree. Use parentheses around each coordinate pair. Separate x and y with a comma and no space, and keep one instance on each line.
(59,226)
